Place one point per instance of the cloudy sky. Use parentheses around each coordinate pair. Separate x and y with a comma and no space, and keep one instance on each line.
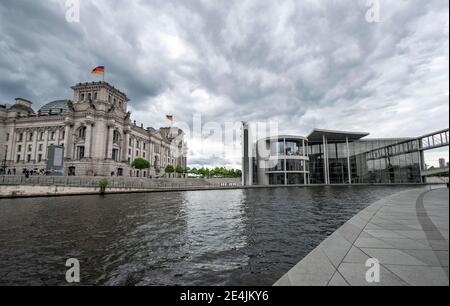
(305,63)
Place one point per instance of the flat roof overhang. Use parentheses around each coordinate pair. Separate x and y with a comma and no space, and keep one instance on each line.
(316,136)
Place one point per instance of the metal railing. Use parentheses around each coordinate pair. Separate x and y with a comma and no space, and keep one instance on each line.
(117,182)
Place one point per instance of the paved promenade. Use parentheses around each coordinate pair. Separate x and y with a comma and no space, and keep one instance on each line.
(408,233)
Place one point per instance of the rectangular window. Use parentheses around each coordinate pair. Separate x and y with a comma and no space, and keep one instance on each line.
(18,159)
(20,137)
(80,152)
(7,137)
(19,148)
(115,154)
(39,158)
(40,147)
(30,137)
(41,137)
(30,148)
(28,158)
(52,136)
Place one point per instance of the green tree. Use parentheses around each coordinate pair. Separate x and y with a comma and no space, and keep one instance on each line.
(179,170)
(169,169)
(140,164)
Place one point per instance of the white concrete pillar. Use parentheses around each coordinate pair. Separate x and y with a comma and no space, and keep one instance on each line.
(348,162)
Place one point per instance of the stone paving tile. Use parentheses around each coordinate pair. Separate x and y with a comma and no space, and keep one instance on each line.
(350,232)
(407,244)
(314,270)
(413,234)
(392,256)
(372,243)
(336,247)
(338,281)
(443,257)
(355,255)
(420,275)
(283,282)
(437,245)
(383,234)
(428,257)
(355,275)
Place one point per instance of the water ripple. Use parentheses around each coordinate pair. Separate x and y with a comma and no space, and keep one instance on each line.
(233,237)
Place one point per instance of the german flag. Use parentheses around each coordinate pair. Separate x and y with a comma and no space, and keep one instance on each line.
(98,70)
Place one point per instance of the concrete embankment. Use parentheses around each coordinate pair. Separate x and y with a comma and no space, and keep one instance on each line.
(19,186)
(404,239)
(53,191)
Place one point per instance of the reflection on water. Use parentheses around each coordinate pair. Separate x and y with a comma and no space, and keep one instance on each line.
(232,237)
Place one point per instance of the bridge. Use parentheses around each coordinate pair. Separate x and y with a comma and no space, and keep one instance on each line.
(432,141)
(434,171)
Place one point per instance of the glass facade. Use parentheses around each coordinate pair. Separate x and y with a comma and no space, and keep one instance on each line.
(371,161)
(288,163)
(341,157)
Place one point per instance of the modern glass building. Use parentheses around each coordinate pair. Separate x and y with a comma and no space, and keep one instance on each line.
(331,157)
(282,160)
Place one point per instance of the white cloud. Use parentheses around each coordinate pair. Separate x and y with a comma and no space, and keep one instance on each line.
(305,63)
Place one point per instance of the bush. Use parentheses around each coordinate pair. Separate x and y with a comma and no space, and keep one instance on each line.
(103,184)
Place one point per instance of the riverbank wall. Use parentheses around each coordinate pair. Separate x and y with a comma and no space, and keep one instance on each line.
(21,187)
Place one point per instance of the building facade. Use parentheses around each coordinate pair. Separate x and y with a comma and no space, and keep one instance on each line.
(330,157)
(96,131)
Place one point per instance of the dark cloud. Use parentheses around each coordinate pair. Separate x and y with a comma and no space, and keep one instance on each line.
(306,63)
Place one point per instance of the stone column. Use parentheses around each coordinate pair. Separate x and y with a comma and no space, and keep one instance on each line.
(46,134)
(88,139)
(67,138)
(11,144)
(24,147)
(58,135)
(125,142)
(110,143)
(35,149)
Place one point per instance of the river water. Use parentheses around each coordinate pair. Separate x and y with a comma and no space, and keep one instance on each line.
(228,237)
